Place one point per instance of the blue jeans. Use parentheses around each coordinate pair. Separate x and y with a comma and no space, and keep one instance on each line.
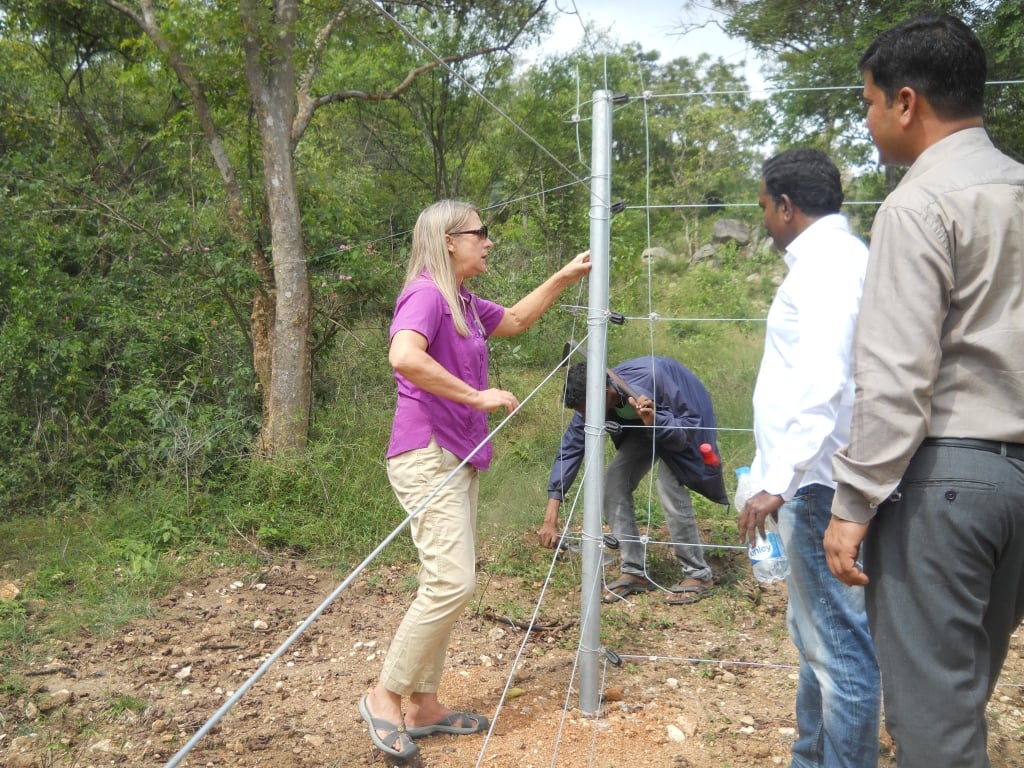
(838,693)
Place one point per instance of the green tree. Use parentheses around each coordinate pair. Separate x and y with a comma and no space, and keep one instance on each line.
(684,132)
(813,47)
(138,200)
(100,232)
(253,77)
(147,259)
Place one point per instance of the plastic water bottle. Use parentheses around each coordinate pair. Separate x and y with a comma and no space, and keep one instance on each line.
(767,554)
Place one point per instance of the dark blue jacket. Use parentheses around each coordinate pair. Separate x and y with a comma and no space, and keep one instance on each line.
(682,407)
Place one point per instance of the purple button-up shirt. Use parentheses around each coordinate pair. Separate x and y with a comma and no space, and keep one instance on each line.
(457,427)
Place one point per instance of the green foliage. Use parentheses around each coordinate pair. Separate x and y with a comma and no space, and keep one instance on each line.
(1003,34)
(125,294)
(86,564)
(307,507)
(716,294)
(144,370)
(12,613)
(123,703)
(333,504)
(114,388)
(334,501)
(813,49)
(119,302)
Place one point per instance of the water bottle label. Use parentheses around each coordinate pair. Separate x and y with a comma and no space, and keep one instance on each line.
(768,548)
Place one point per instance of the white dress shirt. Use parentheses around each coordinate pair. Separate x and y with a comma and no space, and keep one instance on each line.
(803,399)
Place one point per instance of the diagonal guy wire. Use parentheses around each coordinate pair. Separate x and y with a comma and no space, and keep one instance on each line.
(269,662)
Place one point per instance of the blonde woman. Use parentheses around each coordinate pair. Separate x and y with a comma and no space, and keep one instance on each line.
(439,355)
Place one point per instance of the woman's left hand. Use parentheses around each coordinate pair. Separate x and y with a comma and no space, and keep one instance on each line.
(492,399)
(578,268)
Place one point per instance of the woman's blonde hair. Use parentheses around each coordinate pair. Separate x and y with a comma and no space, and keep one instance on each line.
(430,252)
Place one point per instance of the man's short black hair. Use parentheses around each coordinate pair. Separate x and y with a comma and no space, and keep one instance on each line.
(808,177)
(938,56)
(575,393)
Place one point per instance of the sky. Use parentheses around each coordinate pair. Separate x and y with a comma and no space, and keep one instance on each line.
(655,24)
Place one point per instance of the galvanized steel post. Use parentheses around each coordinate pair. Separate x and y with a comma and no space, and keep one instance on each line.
(597,356)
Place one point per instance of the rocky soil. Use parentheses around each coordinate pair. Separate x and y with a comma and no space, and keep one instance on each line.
(710,684)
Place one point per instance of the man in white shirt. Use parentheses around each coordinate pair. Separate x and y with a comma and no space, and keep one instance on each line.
(802,407)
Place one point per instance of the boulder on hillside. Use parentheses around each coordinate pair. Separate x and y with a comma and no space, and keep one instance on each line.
(656,253)
(731,231)
(704,253)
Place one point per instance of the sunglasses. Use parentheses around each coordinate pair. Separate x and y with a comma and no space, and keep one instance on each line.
(481,233)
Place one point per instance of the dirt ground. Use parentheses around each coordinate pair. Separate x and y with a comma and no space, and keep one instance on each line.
(709,684)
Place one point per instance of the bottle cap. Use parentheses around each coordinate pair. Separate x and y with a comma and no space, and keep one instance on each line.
(709,455)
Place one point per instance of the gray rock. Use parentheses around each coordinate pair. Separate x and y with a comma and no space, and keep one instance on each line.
(730,231)
(656,253)
(704,253)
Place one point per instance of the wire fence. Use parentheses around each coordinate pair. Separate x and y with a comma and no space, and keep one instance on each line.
(571,540)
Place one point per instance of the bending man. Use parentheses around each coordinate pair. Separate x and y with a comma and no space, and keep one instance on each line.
(664,414)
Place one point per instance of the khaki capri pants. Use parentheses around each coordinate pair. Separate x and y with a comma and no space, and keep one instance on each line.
(444,533)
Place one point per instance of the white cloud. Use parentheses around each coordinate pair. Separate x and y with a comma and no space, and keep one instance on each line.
(655,25)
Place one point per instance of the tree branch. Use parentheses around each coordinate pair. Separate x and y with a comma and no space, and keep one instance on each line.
(305,112)
(146,21)
(305,105)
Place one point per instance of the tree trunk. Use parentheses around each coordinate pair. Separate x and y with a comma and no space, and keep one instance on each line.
(271,76)
(261,326)
(286,422)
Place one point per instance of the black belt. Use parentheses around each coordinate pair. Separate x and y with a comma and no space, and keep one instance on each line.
(1013,450)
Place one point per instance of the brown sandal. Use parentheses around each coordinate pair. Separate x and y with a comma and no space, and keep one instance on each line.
(689,591)
(627,584)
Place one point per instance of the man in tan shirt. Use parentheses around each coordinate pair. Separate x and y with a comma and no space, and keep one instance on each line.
(931,486)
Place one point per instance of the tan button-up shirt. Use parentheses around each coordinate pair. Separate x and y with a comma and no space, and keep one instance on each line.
(939,347)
